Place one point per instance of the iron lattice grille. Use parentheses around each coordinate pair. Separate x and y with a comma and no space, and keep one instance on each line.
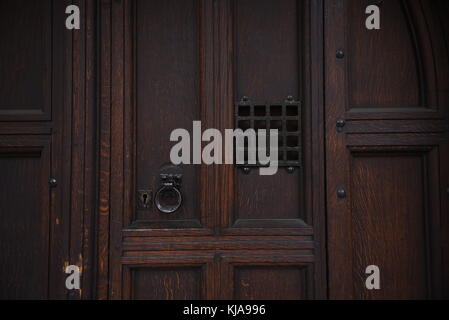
(285,117)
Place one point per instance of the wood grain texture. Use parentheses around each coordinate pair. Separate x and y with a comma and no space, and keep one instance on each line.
(385,157)
(268,33)
(269,283)
(83,151)
(24,218)
(379,61)
(163,64)
(167,94)
(187,61)
(389,223)
(166,283)
(56,72)
(105,91)
(26,60)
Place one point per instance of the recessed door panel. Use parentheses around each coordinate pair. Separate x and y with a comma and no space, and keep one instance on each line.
(167,96)
(270,283)
(24,219)
(267,33)
(390,220)
(26,60)
(268,64)
(380,61)
(166,283)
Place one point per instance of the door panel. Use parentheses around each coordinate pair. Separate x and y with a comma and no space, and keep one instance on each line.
(410,45)
(269,283)
(167,92)
(47,119)
(389,220)
(171,275)
(166,283)
(255,202)
(385,151)
(25,215)
(26,44)
(269,34)
(270,276)
(391,53)
(173,63)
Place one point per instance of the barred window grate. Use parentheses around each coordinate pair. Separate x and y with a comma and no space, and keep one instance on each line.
(285,117)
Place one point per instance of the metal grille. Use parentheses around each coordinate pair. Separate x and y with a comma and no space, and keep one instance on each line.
(285,117)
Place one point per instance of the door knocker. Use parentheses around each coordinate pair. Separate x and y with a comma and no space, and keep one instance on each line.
(168,198)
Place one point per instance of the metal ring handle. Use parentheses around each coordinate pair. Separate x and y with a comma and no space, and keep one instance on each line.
(168,199)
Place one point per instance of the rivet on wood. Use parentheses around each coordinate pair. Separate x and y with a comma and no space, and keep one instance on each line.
(340,124)
(290,169)
(53,183)
(341,194)
(340,54)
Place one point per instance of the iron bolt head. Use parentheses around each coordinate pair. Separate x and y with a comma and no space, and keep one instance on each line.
(245,99)
(341,194)
(53,183)
(340,54)
(290,169)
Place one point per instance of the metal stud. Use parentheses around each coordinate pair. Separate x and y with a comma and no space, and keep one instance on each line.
(290,169)
(246,170)
(341,194)
(244,99)
(340,54)
(53,183)
(340,124)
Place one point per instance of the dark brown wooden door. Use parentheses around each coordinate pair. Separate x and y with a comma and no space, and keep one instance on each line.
(46,104)
(376,103)
(390,154)
(94,108)
(236,236)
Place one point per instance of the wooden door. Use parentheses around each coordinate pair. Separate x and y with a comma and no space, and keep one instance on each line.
(43,79)
(387,103)
(237,235)
(85,123)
